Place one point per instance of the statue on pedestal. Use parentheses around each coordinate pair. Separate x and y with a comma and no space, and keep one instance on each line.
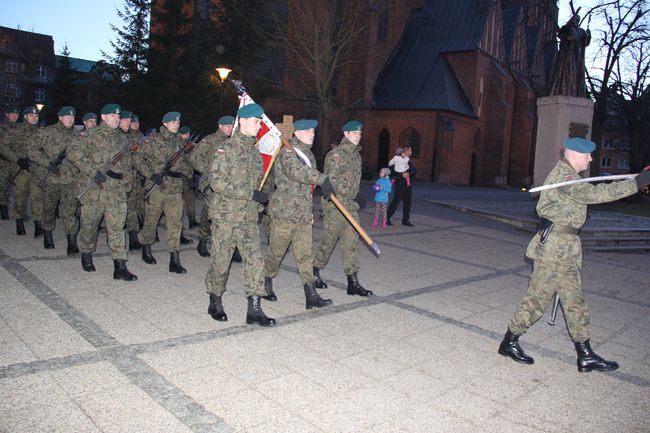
(569,71)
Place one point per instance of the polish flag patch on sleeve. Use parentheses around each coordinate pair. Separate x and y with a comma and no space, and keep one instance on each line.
(219,151)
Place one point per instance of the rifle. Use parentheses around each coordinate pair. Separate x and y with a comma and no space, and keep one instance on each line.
(187,147)
(556,304)
(129,147)
(58,160)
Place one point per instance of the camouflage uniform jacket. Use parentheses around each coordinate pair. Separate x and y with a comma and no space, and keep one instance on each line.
(201,157)
(567,206)
(236,171)
(9,135)
(50,142)
(156,152)
(343,167)
(292,200)
(97,147)
(26,137)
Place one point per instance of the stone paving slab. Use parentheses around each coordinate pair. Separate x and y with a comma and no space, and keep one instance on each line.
(82,352)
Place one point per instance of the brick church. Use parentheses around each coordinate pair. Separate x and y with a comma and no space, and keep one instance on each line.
(455,79)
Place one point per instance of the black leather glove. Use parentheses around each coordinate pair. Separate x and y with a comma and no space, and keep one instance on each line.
(156,178)
(642,179)
(100,177)
(327,189)
(23,163)
(53,167)
(260,197)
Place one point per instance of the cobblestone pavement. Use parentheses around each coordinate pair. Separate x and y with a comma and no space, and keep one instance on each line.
(84,353)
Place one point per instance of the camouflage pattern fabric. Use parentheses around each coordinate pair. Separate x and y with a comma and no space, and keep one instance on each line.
(26,182)
(236,171)
(558,260)
(132,223)
(291,211)
(167,199)
(90,153)
(343,167)
(8,135)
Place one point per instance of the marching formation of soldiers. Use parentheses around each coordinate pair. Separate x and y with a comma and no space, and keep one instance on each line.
(110,174)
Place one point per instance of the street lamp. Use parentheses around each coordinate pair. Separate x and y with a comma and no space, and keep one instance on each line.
(40,107)
(223,74)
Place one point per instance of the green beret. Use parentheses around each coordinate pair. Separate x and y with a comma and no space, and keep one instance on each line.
(226,120)
(135,118)
(172,116)
(304,124)
(352,125)
(184,130)
(580,145)
(30,110)
(126,115)
(250,110)
(12,109)
(66,111)
(111,109)
(89,116)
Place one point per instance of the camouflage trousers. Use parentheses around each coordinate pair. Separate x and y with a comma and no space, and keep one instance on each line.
(205,229)
(299,236)
(111,205)
(65,192)
(188,196)
(171,204)
(5,177)
(246,237)
(547,279)
(135,196)
(27,186)
(335,227)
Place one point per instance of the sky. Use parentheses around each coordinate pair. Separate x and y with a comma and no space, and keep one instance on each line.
(84,25)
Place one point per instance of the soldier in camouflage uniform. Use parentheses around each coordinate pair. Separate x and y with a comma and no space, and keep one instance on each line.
(138,191)
(8,134)
(291,211)
(557,254)
(108,198)
(132,223)
(26,184)
(201,160)
(188,191)
(237,169)
(89,120)
(50,151)
(166,196)
(343,167)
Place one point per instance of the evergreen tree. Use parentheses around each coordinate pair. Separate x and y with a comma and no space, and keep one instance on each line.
(132,44)
(64,88)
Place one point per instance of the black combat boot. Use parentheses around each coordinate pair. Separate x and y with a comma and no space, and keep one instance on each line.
(134,243)
(202,248)
(20,227)
(215,309)
(354,288)
(38,229)
(121,272)
(4,212)
(147,257)
(268,286)
(588,360)
(192,222)
(320,284)
(184,240)
(510,347)
(175,263)
(72,244)
(48,242)
(87,262)
(313,299)
(254,314)
(236,257)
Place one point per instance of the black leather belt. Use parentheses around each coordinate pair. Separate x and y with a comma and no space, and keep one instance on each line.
(114,175)
(174,174)
(548,225)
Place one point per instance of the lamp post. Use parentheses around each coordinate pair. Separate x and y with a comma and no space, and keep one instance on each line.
(223,74)
(40,107)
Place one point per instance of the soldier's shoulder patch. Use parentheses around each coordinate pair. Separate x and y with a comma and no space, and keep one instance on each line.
(336,156)
(568,176)
(288,149)
(220,151)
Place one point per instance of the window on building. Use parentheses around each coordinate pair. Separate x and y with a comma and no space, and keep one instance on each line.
(39,95)
(11,67)
(606,162)
(608,144)
(623,164)
(411,137)
(11,93)
(41,72)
